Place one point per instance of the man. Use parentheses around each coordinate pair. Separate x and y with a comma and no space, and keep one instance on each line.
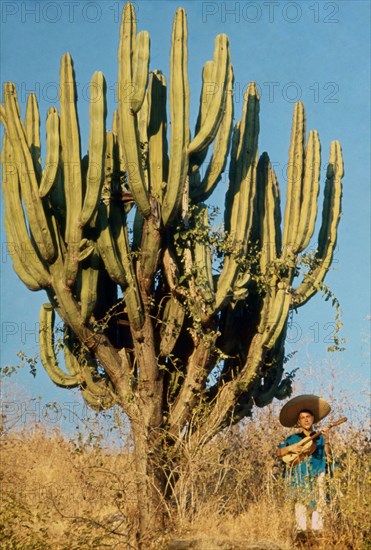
(306,464)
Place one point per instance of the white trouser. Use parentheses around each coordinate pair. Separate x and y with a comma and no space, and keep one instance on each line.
(301,511)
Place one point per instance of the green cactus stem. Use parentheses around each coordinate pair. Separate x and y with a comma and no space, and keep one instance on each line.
(215,107)
(32,131)
(47,350)
(70,155)
(201,190)
(27,263)
(97,145)
(328,231)
(171,325)
(241,193)
(30,191)
(179,116)
(128,133)
(157,126)
(50,172)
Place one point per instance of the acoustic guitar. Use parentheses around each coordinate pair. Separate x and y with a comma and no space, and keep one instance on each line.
(308,446)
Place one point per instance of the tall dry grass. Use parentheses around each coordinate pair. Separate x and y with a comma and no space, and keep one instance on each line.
(77,493)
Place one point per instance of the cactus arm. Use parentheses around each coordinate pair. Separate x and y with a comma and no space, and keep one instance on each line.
(98,399)
(2,115)
(149,251)
(142,118)
(328,232)
(32,131)
(171,325)
(179,116)
(107,248)
(97,392)
(294,181)
(89,282)
(69,344)
(219,157)
(70,147)
(269,214)
(198,158)
(52,152)
(16,226)
(308,210)
(97,144)
(16,256)
(245,173)
(278,311)
(236,134)
(47,352)
(223,406)
(140,70)
(210,126)
(204,283)
(36,216)
(242,192)
(128,127)
(189,393)
(157,125)
(122,249)
(116,364)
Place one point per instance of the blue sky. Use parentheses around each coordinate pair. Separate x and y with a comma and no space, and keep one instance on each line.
(318,52)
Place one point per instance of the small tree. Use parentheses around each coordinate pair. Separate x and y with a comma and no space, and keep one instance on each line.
(180,325)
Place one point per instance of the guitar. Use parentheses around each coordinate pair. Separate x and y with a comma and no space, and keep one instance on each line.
(308,446)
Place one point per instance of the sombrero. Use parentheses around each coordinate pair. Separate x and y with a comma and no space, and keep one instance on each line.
(316,405)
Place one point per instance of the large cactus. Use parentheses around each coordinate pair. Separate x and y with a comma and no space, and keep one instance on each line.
(147,317)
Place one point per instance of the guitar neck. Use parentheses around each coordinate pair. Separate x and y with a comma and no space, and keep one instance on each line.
(332,425)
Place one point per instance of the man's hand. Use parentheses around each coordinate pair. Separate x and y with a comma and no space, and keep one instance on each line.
(296,448)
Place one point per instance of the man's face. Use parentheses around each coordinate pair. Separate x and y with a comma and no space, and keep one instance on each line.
(305,420)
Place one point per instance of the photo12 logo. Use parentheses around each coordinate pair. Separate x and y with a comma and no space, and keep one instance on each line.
(71,11)
(270,12)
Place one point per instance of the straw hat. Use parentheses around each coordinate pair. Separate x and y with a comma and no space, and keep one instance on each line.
(316,405)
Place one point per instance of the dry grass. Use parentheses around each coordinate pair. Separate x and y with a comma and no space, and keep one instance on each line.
(74,495)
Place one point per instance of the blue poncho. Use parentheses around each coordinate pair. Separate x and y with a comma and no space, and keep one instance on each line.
(302,478)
